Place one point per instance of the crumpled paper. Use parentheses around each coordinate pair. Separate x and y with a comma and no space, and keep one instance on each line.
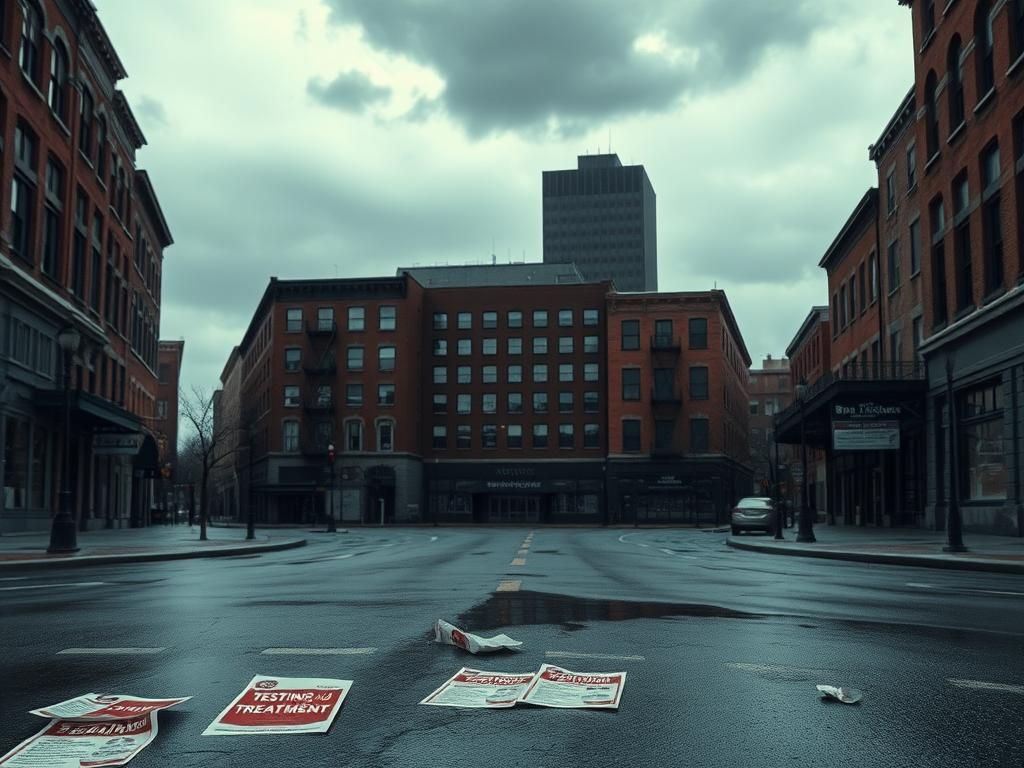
(845,695)
(452,635)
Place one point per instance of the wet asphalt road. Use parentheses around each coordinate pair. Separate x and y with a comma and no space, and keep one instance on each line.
(732,645)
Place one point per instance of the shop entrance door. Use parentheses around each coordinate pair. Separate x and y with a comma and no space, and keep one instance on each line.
(513,509)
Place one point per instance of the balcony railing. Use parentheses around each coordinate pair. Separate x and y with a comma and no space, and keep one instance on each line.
(665,343)
(665,397)
(321,328)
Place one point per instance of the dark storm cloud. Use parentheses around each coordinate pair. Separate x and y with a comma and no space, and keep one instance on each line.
(349,92)
(566,65)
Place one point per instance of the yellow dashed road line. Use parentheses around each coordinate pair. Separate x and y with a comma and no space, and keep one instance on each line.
(508,585)
(519,561)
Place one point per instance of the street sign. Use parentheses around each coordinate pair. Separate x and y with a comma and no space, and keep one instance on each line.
(110,444)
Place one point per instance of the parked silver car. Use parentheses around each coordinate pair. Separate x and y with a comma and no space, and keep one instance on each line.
(754,513)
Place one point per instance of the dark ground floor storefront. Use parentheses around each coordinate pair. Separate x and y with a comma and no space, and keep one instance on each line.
(515,492)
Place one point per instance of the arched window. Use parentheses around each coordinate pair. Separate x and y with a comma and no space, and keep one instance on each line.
(385,435)
(927,18)
(85,119)
(955,85)
(101,148)
(931,114)
(1016,29)
(58,95)
(31,40)
(121,193)
(983,49)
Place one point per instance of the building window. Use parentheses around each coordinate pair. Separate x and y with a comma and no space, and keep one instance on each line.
(915,247)
(514,319)
(630,383)
(293,321)
(540,435)
(385,394)
(540,373)
(85,118)
(52,215)
(927,19)
(463,404)
(591,402)
(917,329)
(983,451)
(386,358)
(700,433)
(440,321)
(161,409)
(566,436)
(540,345)
(490,346)
(873,270)
(938,258)
(955,84)
(22,205)
(440,436)
(992,226)
(754,407)
(894,266)
(354,395)
(514,436)
(631,436)
(353,435)
(591,435)
(292,358)
(698,327)
(101,149)
(515,402)
(325,318)
(664,434)
(291,396)
(515,345)
(565,372)
(355,358)
(1016,29)
(489,436)
(464,321)
(463,437)
(540,318)
(863,287)
(565,318)
(58,94)
(931,96)
(490,320)
(464,347)
(385,435)
(387,318)
(540,402)
(591,372)
(699,382)
(489,403)
(565,403)
(515,374)
(464,374)
(1018,143)
(590,317)
(565,345)
(357,318)
(31,40)
(440,402)
(984,44)
(962,244)
(911,167)
(591,345)
(290,436)
(440,347)
(890,191)
(630,334)
(489,374)
(440,374)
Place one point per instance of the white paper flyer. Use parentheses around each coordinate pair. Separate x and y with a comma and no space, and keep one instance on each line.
(478,689)
(95,707)
(452,635)
(557,687)
(282,705)
(68,744)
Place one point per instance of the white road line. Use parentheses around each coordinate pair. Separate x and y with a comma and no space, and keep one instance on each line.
(981,685)
(675,554)
(342,557)
(318,651)
(508,585)
(433,538)
(966,590)
(519,561)
(76,584)
(110,651)
(14,578)
(605,656)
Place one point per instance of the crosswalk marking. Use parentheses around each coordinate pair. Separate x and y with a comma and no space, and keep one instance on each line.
(318,651)
(110,651)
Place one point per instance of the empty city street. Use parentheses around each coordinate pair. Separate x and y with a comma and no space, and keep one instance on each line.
(722,649)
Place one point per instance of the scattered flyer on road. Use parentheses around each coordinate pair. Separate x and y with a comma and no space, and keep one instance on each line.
(69,744)
(452,635)
(95,707)
(282,705)
(557,687)
(481,690)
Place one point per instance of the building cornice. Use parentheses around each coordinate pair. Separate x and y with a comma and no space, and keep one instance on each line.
(852,228)
(817,316)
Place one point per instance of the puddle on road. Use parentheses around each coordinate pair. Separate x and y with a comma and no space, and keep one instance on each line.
(509,609)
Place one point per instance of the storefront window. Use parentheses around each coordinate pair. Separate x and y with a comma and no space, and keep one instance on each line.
(982,448)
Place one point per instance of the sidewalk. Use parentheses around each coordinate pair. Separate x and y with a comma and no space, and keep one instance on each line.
(138,545)
(1000,554)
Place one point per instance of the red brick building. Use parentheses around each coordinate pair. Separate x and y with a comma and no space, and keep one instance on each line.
(169,358)
(82,250)
(810,358)
(770,389)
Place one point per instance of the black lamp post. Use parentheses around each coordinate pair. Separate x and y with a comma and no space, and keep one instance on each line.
(954,527)
(63,531)
(250,526)
(331,527)
(805,534)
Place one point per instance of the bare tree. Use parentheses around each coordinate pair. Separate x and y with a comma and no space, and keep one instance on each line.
(212,442)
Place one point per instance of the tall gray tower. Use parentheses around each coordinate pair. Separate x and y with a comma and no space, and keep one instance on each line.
(601,217)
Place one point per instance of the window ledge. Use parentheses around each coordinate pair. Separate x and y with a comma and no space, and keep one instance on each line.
(61,124)
(956,133)
(962,313)
(993,295)
(949,5)
(1016,67)
(6,51)
(911,189)
(927,40)
(35,88)
(932,161)
(985,101)
(916,274)
(894,291)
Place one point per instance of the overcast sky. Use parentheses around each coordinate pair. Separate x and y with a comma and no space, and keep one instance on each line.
(321,138)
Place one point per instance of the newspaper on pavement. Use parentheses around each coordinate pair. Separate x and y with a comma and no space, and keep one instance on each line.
(845,695)
(478,689)
(556,687)
(70,744)
(452,635)
(282,705)
(95,707)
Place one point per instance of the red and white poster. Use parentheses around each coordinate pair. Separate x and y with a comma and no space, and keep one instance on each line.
(480,690)
(95,707)
(68,744)
(557,687)
(282,705)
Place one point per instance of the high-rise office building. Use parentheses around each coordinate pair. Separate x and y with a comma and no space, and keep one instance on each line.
(601,217)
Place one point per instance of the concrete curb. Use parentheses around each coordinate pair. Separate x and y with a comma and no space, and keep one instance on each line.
(147,557)
(915,561)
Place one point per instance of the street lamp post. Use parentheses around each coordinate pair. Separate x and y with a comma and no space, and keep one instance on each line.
(954,527)
(63,531)
(805,534)
(331,527)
